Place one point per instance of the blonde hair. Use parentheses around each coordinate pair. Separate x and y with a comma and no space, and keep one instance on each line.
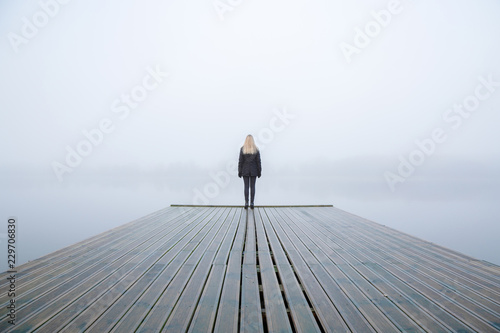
(249,146)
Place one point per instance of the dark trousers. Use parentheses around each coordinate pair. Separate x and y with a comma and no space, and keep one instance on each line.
(249,185)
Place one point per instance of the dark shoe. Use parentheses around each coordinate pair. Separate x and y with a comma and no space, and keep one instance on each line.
(251,205)
(246,206)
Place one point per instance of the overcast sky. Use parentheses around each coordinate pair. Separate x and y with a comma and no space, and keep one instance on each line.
(377,95)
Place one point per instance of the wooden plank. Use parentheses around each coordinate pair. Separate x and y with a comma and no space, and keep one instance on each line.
(364,255)
(131,305)
(469,312)
(437,267)
(204,317)
(249,257)
(198,269)
(228,312)
(143,264)
(275,309)
(35,268)
(45,281)
(222,256)
(443,261)
(434,252)
(181,315)
(30,290)
(79,297)
(462,287)
(410,249)
(106,322)
(150,309)
(302,316)
(34,273)
(65,292)
(297,229)
(308,268)
(421,269)
(416,310)
(347,277)
(251,311)
(453,323)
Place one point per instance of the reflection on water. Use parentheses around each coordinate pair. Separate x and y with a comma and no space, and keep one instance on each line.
(54,216)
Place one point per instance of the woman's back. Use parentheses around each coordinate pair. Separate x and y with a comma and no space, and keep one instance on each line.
(249,167)
(249,164)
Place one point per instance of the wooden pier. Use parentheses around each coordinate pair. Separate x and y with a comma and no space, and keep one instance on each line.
(271,269)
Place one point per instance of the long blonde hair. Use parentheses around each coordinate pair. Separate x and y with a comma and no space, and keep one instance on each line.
(249,146)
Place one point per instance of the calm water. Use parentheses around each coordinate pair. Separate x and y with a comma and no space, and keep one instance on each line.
(53,216)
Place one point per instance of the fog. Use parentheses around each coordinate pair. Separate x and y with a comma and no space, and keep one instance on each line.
(387,109)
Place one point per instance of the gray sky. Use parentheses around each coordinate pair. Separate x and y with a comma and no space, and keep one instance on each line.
(335,90)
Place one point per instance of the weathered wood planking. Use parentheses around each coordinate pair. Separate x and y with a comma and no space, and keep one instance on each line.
(79,255)
(274,302)
(250,308)
(271,269)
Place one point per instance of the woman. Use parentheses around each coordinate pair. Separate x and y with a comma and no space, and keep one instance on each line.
(249,167)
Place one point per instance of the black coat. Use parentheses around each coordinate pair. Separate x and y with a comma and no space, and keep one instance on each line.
(249,164)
